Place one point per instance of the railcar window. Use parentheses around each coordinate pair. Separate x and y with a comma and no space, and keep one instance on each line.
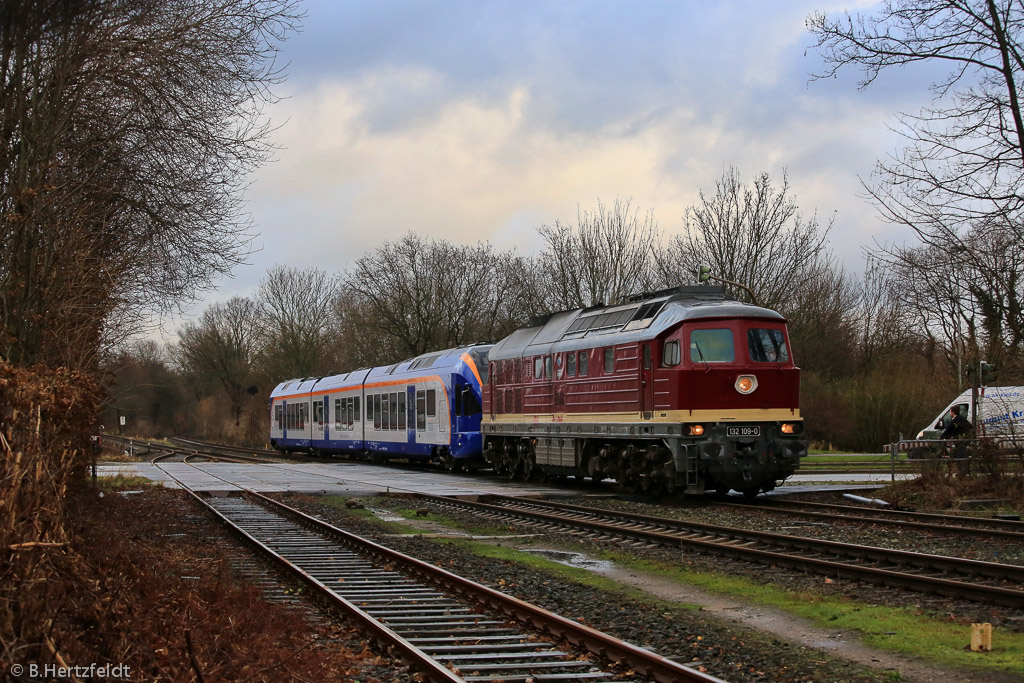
(337,413)
(570,364)
(421,410)
(584,363)
(401,410)
(767,346)
(369,408)
(431,402)
(547,367)
(609,360)
(277,416)
(393,409)
(470,404)
(356,403)
(376,411)
(712,346)
(670,354)
(538,367)
(385,409)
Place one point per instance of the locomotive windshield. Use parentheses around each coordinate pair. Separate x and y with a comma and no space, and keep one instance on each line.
(767,346)
(712,346)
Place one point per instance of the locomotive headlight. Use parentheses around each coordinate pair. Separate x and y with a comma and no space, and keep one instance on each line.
(792,427)
(696,430)
(745,384)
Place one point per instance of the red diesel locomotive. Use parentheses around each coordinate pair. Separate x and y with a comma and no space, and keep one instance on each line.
(682,390)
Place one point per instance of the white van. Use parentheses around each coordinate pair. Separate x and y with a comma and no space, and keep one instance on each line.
(1000,414)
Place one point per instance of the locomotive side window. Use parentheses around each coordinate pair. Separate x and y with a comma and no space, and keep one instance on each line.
(609,361)
(547,367)
(712,346)
(767,346)
(670,354)
(584,363)
(431,402)
(538,367)
(570,364)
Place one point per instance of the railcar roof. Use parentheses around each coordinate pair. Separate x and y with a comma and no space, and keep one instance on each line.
(410,367)
(642,317)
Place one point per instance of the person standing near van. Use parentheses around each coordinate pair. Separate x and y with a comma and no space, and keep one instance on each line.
(958,425)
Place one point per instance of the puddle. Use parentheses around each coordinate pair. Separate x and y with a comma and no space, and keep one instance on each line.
(571,559)
(386,515)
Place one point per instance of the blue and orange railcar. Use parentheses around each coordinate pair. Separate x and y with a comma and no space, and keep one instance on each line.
(422,409)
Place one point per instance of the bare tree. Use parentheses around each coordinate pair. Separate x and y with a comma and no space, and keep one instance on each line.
(222,348)
(298,309)
(752,235)
(607,255)
(127,132)
(425,295)
(962,171)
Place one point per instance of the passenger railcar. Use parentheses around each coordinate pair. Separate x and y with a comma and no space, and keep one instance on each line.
(680,390)
(422,409)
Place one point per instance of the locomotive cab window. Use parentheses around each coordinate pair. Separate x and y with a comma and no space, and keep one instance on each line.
(767,346)
(670,354)
(712,346)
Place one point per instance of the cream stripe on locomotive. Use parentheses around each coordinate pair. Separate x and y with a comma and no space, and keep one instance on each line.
(672,416)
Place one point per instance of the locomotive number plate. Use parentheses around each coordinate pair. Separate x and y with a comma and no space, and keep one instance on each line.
(743,431)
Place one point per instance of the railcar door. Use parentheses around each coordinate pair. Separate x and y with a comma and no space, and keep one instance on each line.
(646,383)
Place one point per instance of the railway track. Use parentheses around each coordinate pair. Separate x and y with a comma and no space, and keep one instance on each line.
(968,579)
(447,627)
(930,522)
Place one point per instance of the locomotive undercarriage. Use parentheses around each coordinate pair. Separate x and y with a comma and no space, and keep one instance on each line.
(657,464)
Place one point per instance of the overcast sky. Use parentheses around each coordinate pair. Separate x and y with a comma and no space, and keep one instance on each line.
(481,120)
